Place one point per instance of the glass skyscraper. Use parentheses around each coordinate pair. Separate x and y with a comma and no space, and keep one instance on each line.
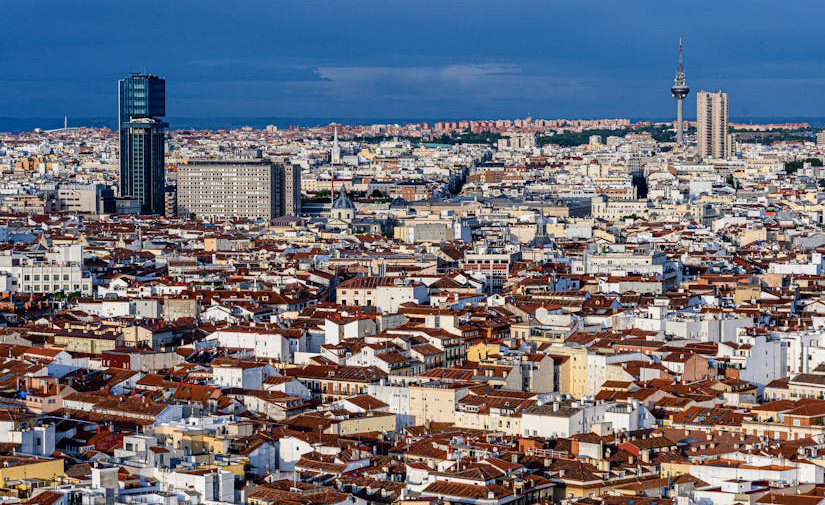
(141,101)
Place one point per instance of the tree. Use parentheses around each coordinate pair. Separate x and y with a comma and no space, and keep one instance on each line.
(641,185)
(572,139)
(792,166)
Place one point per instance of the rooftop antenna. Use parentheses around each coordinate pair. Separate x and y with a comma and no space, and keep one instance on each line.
(680,53)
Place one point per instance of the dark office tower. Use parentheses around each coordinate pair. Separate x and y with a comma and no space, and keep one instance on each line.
(142,96)
(141,101)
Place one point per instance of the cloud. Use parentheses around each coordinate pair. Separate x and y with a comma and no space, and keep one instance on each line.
(461,82)
(236,70)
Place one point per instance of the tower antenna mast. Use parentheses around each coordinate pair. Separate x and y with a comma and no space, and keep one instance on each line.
(679,90)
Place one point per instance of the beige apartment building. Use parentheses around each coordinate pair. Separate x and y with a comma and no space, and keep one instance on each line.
(712,137)
(292,190)
(247,188)
(436,401)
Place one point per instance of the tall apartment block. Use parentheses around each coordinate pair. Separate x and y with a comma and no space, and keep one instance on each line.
(292,190)
(248,189)
(141,101)
(712,138)
(170,200)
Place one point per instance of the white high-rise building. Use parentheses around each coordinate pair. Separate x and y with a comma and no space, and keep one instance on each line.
(712,138)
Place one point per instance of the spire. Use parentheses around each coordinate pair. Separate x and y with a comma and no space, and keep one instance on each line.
(679,80)
(680,54)
(335,157)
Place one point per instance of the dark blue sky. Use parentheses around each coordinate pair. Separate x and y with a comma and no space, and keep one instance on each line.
(412,59)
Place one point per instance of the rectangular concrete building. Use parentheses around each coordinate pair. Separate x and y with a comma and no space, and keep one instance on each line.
(221,189)
(92,198)
(292,190)
(712,137)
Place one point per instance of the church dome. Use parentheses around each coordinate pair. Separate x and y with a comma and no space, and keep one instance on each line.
(343,202)
(398,203)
